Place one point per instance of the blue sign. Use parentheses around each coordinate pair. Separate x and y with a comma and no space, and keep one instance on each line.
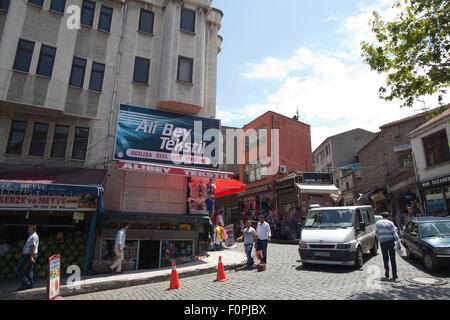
(153,136)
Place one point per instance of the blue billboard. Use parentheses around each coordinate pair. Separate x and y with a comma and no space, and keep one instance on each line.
(154,136)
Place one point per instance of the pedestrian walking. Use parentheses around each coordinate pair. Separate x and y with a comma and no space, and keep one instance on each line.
(28,259)
(219,220)
(250,237)
(387,235)
(119,246)
(263,232)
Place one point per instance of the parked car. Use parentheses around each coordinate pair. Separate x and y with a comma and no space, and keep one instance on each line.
(378,218)
(338,236)
(428,239)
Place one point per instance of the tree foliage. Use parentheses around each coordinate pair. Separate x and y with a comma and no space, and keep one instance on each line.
(413,50)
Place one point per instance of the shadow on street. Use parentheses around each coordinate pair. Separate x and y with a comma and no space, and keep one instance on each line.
(333,268)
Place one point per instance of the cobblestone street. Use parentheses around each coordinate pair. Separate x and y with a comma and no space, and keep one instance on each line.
(287,279)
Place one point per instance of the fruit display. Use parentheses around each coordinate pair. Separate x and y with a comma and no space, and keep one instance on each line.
(72,251)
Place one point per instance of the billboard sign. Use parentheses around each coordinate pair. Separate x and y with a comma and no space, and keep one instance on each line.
(152,136)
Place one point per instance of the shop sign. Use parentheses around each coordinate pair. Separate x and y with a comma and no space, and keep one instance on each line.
(143,167)
(53,276)
(436,182)
(153,136)
(316,177)
(402,147)
(39,197)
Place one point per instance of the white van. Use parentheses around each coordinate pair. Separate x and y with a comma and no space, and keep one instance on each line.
(338,236)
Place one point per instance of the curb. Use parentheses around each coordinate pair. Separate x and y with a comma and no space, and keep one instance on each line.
(40,293)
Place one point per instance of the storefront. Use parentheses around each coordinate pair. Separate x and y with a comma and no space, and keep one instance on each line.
(65,214)
(436,195)
(296,193)
(257,201)
(161,183)
(152,241)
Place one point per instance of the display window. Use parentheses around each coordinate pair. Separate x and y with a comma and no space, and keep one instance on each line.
(178,251)
(108,254)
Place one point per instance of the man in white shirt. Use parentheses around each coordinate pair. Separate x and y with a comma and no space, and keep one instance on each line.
(119,245)
(220,219)
(263,232)
(29,257)
(387,235)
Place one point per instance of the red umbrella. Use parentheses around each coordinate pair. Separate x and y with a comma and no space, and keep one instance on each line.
(227,187)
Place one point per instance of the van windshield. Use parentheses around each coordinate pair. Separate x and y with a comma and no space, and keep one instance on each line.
(329,219)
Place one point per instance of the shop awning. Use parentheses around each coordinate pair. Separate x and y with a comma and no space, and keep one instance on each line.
(227,187)
(139,217)
(318,188)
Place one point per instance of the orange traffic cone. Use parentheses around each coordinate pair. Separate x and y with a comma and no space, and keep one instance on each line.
(221,272)
(174,282)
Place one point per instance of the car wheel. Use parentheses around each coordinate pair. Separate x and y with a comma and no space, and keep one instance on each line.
(429,262)
(359,259)
(374,250)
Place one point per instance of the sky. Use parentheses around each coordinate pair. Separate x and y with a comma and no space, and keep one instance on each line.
(281,55)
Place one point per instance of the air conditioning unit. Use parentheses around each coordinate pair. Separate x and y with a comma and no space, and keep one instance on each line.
(283,169)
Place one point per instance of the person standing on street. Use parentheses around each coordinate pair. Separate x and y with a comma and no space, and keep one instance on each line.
(263,232)
(219,218)
(250,237)
(28,259)
(118,248)
(387,235)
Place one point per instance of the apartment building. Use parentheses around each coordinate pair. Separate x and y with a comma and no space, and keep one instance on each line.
(62,84)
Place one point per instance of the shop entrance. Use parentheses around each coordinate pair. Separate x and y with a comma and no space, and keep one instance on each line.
(149,254)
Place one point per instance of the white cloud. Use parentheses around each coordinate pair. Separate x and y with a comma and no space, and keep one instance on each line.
(331,18)
(330,87)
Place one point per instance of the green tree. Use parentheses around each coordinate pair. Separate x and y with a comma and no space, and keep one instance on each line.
(413,50)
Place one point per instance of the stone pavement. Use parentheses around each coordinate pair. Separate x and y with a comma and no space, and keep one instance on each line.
(287,279)
(231,257)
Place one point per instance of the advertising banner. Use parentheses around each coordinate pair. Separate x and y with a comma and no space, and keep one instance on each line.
(41,197)
(53,278)
(153,136)
(142,167)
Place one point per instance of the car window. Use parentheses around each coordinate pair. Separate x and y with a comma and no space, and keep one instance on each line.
(415,228)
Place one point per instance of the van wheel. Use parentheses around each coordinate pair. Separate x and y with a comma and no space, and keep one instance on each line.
(359,259)
(374,250)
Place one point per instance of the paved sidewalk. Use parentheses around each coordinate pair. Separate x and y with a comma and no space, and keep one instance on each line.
(232,258)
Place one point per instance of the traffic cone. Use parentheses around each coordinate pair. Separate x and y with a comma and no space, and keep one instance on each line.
(221,272)
(174,282)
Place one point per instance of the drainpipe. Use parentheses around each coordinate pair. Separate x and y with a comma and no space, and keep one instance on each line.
(116,76)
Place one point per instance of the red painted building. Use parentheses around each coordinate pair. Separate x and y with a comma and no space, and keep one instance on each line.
(294,154)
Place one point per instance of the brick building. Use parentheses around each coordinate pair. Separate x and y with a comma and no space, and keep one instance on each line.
(386,164)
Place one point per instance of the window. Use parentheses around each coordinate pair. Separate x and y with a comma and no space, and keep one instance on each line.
(141,69)
(185,67)
(104,21)
(187,20)
(77,74)
(37,146)
(146,21)
(4,5)
(37,2)
(16,137)
(436,148)
(97,73)
(87,13)
(23,56)
(46,60)
(80,143)
(58,5)
(60,141)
